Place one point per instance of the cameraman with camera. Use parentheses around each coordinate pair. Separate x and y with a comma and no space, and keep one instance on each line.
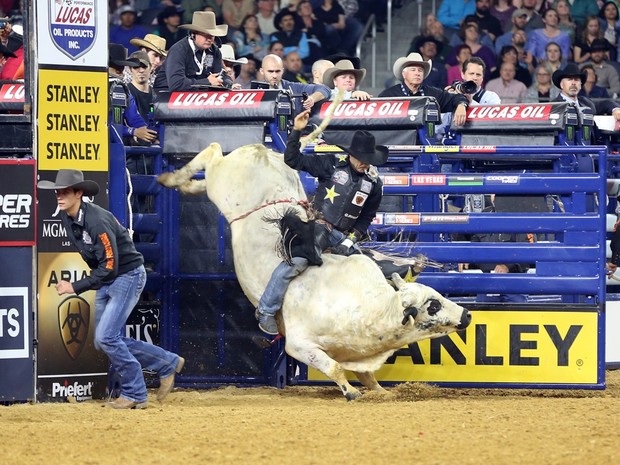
(473,70)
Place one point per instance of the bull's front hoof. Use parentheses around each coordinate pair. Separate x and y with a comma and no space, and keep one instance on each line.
(352,394)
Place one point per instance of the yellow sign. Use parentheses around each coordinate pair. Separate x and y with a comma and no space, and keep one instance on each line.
(73,120)
(441,148)
(522,347)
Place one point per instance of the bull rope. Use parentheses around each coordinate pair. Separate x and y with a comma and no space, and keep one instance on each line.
(303,203)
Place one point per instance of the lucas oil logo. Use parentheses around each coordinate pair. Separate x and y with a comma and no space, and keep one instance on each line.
(73,26)
(74,321)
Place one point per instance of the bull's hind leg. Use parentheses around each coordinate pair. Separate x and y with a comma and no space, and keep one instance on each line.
(318,359)
(367,378)
(182,178)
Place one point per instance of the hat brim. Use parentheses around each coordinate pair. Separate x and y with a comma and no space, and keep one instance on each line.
(218,31)
(238,61)
(557,78)
(331,73)
(89,188)
(377,158)
(403,62)
(131,64)
(422,40)
(139,43)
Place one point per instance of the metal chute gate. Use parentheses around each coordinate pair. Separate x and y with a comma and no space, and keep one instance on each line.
(554,341)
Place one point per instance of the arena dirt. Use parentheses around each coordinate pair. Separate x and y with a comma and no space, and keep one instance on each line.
(416,424)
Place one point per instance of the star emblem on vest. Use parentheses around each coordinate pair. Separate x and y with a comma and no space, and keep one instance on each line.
(342,157)
(331,194)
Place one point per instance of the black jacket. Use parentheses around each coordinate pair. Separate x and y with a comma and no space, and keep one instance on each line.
(103,243)
(178,73)
(601,107)
(322,167)
(447,101)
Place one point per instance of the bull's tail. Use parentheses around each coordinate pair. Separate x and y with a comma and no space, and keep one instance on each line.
(328,116)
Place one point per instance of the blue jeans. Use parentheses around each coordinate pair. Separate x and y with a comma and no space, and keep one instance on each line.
(273,297)
(113,305)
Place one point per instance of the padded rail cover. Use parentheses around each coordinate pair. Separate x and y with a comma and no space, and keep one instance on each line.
(11,96)
(216,106)
(505,124)
(384,117)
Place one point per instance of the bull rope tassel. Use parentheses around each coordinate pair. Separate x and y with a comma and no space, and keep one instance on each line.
(328,116)
(302,203)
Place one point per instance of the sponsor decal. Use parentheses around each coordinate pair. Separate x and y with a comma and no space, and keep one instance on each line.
(401,218)
(502,179)
(340,177)
(74,320)
(73,120)
(511,112)
(366,186)
(73,26)
(441,148)
(522,347)
(326,148)
(76,390)
(478,148)
(428,179)
(395,179)
(359,199)
(14,314)
(17,203)
(193,100)
(383,109)
(12,93)
(465,180)
(452,218)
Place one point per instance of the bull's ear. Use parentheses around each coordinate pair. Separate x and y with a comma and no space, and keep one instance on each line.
(398,281)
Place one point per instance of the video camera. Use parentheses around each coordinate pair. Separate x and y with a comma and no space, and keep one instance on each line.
(465,87)
(3,23)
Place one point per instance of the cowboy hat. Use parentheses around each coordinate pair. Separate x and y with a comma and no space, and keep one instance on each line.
(364,149)
(140,58)
(424,39)
(5,52)
(570,70)
(117,55)
(286,12)
(71,178)
(204,22)
(342,67)
(152,42)
(228,54)
(409,60)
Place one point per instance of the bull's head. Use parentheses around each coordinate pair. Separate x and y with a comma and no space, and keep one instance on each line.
(427,309)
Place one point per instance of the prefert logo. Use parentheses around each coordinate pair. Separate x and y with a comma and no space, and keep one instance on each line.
(79,391)
(73,322)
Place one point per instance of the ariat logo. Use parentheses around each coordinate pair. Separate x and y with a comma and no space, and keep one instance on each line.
(74,321)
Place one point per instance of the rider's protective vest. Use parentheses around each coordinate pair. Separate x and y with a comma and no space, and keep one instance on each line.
(342,197)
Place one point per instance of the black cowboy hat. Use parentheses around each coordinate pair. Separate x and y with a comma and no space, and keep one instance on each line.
(598,45)
(6,53)
(364,149)
(570,70)
(424,39)
(71,178)
(339,56)
(286,12)
(117,55)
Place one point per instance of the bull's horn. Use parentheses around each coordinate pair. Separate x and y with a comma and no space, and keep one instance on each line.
(398,280)
(409,312)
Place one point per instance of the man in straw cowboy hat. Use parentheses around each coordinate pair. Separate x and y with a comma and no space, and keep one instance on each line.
(196,60)
(347,197)
(118,276)
(155,48)
(344,76)
(411,72)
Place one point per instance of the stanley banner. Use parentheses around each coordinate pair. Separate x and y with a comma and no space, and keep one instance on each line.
(521,348)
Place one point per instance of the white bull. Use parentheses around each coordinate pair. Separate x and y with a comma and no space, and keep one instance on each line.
(340,316)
